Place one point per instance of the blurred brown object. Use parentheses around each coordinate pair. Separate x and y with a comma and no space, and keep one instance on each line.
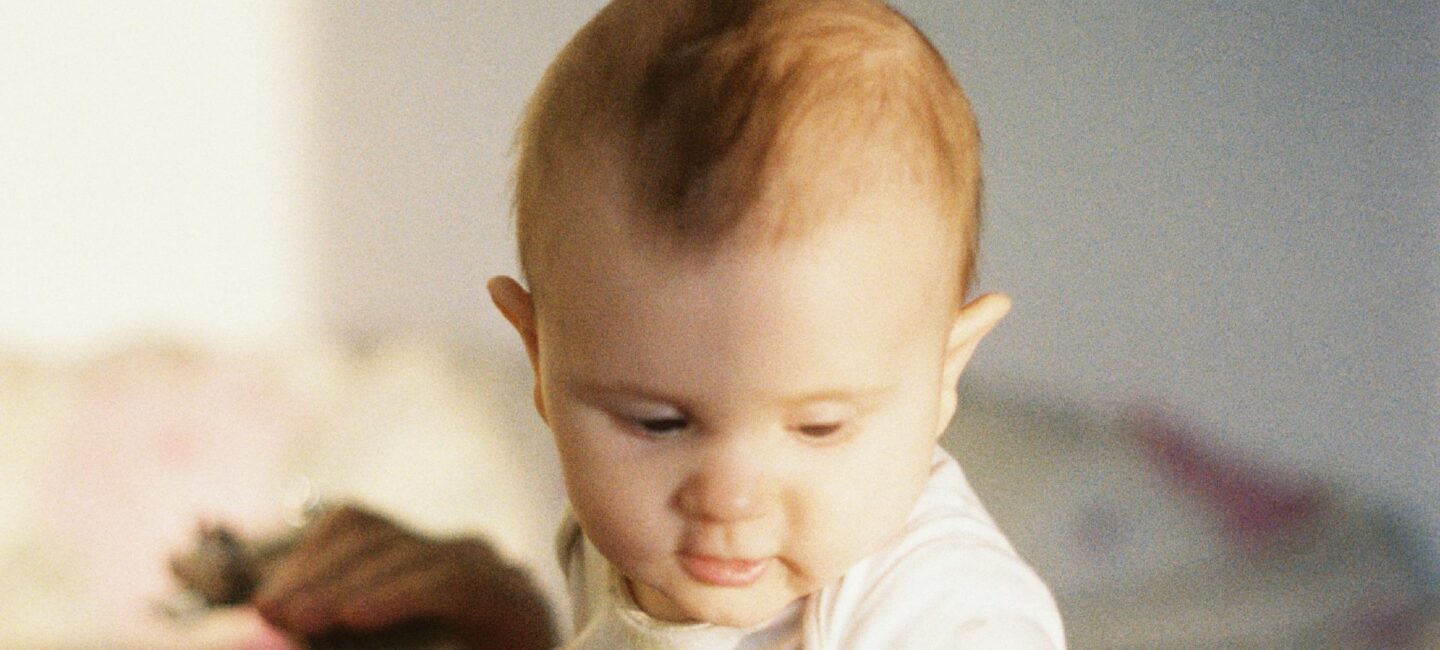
(353,580)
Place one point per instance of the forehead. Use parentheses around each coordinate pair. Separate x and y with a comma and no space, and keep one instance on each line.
(595,185)
(840,304)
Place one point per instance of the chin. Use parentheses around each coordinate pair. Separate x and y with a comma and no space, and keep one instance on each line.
(737,610)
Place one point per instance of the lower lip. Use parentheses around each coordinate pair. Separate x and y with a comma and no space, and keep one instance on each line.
(721,572)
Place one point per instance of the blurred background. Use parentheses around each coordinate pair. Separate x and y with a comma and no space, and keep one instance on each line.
(275,219)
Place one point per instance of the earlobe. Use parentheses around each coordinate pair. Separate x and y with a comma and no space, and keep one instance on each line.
(971,324)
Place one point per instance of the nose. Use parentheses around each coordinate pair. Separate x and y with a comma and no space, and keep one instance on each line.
(730,486)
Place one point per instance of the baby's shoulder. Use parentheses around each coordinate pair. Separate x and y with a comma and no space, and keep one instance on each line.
(951,579)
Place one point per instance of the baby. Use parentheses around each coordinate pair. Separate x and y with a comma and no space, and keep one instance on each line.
(747,229)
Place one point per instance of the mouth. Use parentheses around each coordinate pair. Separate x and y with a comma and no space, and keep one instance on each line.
(724,572)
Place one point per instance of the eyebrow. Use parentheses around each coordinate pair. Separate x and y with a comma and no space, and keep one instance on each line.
(864,397)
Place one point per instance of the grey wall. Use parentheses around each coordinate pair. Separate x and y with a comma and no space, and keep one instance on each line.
(1230,208)
(412,113)
(1227,208)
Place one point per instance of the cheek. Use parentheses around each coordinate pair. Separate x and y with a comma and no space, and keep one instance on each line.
(864,514)
(864,498)
(618,498)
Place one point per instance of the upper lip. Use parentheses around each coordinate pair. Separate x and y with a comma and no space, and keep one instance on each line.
(714,546)
(724,558)
(728,557)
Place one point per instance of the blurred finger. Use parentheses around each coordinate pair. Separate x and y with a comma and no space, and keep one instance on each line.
(385,566)
(338,542)
(335,539)
(416,594)
(388,563)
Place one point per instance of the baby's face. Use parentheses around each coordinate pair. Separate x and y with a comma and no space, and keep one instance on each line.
(736,433)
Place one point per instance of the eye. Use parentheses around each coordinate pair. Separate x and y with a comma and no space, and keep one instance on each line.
(819,430)
(661,426)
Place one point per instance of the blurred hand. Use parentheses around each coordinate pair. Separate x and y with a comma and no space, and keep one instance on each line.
(356,571)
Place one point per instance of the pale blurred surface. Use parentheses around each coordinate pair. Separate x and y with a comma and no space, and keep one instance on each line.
(1152,537)
(149,173)
(123,454)
(1225,211)
(1148,538)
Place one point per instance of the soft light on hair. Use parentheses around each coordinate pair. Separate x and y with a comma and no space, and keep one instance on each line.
(722,113)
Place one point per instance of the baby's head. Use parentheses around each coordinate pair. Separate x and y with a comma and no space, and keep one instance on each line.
(747,229)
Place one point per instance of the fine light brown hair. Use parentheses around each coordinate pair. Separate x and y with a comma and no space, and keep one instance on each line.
(719,111)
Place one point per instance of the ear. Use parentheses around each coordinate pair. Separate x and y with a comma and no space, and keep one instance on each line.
(971,324)
(518,307)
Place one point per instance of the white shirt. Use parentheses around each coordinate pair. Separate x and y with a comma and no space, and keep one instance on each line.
(950,579)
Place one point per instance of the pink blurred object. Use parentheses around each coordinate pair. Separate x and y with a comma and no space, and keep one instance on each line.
(1257,507)
(268,638)
(163,437)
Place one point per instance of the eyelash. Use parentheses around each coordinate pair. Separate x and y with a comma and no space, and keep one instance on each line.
(820,430)
(659,427)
